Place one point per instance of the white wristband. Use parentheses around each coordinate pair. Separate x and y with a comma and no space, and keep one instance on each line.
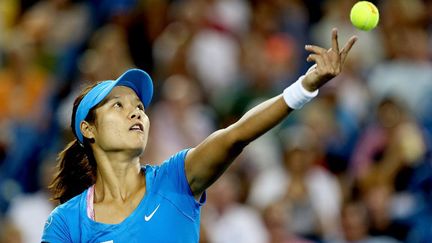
(296,95)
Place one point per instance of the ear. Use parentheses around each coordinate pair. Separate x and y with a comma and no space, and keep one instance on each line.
(87,130)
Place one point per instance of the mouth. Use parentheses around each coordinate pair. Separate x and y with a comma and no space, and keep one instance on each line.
(137,127)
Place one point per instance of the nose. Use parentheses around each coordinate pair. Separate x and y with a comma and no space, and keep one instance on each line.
(135,114)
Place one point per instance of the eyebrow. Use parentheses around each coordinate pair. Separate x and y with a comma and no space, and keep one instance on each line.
(109,98)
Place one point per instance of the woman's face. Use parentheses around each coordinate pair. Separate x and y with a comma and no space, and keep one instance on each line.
(121,123)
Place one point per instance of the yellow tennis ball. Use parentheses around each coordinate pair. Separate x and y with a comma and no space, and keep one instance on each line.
(364,15)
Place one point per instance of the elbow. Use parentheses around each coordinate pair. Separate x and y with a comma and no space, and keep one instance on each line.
(235,141)
(236,148)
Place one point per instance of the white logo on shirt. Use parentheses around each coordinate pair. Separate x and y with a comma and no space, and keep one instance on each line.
(147,218)
(48,222)
(110,241)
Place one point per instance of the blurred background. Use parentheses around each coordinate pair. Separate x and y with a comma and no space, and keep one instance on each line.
(353,165)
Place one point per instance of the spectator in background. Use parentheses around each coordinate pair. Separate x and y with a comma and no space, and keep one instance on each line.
(9,232)
(380,201)
(308,192)
(421,187)
(355,224)
(57,26)
(28,211)
(179,119)
(226,219)
(391,142)
(25,89)
(278,224)
(9,13)
(337,129)
(392,147)
(406,72)
(20,76)
(217,38)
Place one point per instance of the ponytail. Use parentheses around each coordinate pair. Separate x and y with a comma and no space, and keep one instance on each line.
(76,172)
(76,164)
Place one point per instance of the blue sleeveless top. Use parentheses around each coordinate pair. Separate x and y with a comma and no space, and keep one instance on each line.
(168,212)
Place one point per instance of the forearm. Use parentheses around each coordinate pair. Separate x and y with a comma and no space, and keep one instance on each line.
(259,120)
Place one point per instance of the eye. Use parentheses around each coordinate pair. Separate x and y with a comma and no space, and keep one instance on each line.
(141,107)
(118,104)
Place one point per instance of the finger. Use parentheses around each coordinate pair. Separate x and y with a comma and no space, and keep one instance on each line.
(335,44)
(349,45)
(315,49)
(345,50)
(318,59)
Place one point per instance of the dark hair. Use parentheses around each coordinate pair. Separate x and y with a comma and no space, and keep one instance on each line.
(76,164)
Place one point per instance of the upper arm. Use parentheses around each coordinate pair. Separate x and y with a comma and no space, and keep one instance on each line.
(207,161)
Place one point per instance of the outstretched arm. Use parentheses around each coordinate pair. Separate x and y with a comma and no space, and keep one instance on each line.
(206,162)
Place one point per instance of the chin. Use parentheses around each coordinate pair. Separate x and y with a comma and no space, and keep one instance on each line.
(137,151)
(139,147)
(135,146)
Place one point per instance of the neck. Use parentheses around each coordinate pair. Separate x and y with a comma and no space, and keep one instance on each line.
(118,176)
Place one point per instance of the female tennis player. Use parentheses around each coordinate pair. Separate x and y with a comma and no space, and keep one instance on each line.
(105,193)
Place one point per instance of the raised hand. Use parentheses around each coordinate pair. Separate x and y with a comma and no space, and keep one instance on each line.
(329,62)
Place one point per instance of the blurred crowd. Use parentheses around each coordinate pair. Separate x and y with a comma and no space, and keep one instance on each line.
(354,165)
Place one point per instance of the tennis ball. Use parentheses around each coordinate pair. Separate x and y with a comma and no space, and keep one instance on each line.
(364,15)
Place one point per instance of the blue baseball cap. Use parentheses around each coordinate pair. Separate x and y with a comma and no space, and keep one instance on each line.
(136,79)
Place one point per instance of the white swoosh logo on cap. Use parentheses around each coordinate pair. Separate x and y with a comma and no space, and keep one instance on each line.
(147,218)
